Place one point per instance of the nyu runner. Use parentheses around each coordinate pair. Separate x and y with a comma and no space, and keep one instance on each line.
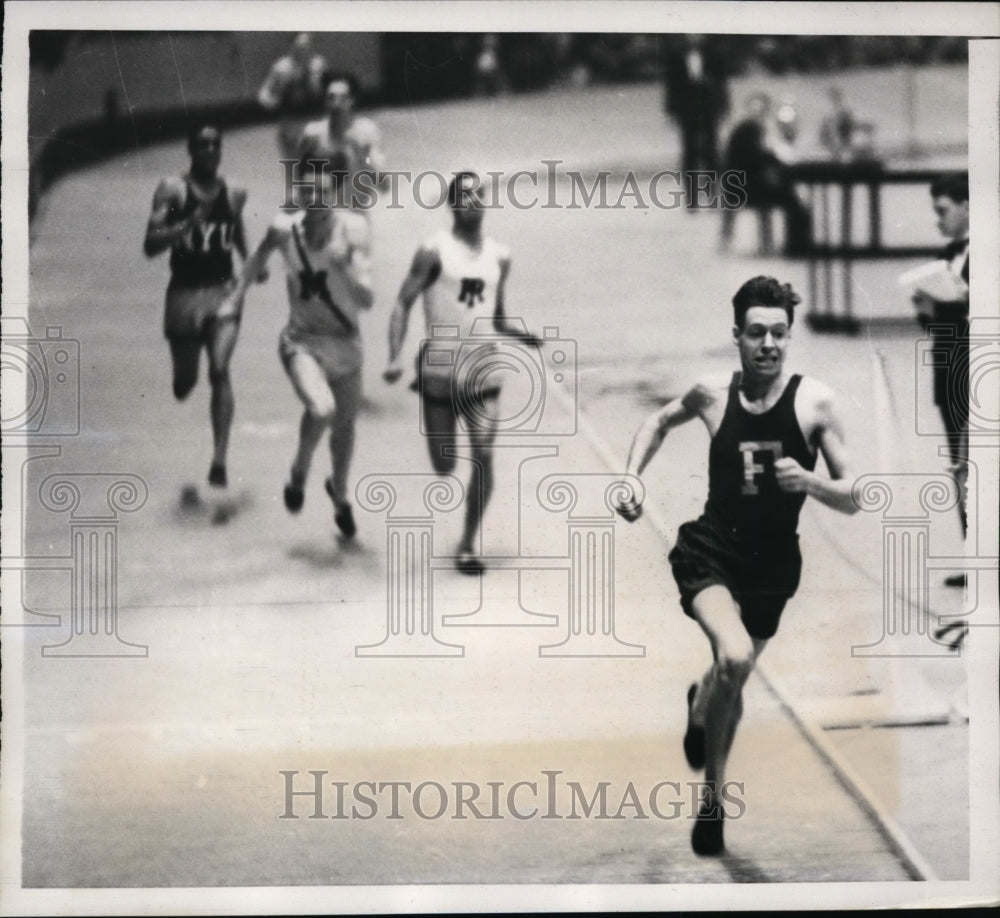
(199,218)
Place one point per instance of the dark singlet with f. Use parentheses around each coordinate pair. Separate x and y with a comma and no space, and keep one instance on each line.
(203,257)
(744,499)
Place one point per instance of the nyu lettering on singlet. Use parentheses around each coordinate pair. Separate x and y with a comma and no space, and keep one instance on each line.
(203,256)
(743,493)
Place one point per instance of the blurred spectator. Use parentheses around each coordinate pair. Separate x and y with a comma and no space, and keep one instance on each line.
(425,65)
(836,132)
(420,66)
(786,138)
(528,61)
(294,90)
(641,63)
(863,141)
(750,151)
(568,68)
(489,75)
(697,98)
(47,47)
(561,49)
(605,55)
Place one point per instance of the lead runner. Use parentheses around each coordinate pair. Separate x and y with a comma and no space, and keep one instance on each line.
(738,564)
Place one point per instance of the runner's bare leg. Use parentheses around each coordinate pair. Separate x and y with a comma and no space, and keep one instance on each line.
(221,342)
(347,401)
(720,696)
(482,433)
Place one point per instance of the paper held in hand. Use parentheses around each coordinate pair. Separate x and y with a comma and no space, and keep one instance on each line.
(937,281)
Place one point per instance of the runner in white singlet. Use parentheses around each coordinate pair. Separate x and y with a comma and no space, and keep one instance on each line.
(461,275)
(327,258)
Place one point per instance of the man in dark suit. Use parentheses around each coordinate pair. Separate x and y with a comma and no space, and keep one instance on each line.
(948,325)
(697,98)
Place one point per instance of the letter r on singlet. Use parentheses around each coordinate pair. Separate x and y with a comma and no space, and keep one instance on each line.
(751,468)
(471,291)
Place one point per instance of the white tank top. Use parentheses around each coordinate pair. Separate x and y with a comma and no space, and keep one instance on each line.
(322,310)
(459,305)
(466,288)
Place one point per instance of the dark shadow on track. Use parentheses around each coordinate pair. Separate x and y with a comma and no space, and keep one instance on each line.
(327,556)
(217,507)
(743,870)
(319,556)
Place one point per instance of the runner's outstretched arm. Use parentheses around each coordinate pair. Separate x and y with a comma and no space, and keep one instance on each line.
(650,436)
(500,324)
(423,271)
(353,264)
(164,228)
(252,269)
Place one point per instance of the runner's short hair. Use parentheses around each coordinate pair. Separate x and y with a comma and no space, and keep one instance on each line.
(764,291)
(954,185)
(343,76)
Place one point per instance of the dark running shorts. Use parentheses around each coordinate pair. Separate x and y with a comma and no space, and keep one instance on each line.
(761,576)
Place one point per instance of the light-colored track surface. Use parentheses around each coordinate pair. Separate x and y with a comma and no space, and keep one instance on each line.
(164,771)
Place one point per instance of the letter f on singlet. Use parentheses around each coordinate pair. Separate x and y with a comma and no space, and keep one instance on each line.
(751,469)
